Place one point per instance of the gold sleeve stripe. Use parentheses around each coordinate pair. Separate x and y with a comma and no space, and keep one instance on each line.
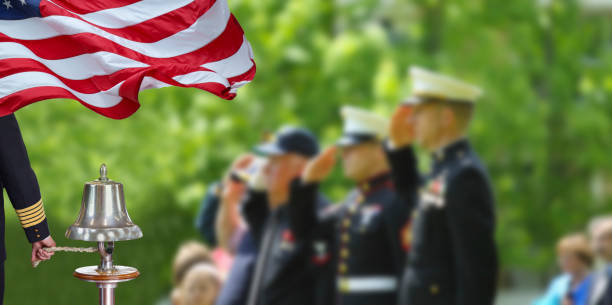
(34,222)
(30,213)
(32,207)
(31,216)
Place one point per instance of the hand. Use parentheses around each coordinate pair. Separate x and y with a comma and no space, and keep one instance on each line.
(38,254)
(401,132)
(320,166)
(242,162)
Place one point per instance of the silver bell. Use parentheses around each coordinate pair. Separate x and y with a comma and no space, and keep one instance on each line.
(103,216)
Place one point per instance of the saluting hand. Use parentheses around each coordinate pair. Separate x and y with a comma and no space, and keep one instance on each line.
(242,162)
(401,132)
(38,254)
(320,166)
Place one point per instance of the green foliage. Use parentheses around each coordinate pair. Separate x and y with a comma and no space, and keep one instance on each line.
(543,127)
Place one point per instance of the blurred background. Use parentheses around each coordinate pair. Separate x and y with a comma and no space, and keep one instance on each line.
(543,127)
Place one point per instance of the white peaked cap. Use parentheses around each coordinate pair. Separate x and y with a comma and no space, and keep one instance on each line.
(362,122)
(426,83)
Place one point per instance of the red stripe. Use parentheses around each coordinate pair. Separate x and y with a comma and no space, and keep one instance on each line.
(18,100)
(129,91)
(89,6)
(148,31)
(126,107)
(61,47)
(105,82)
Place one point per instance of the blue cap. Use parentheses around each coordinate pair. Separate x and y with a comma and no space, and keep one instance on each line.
(290,140)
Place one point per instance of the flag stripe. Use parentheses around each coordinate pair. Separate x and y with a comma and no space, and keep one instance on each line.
(63,47)
(204,29)
(148,31)
(89,6)
(86,66)
(123,16)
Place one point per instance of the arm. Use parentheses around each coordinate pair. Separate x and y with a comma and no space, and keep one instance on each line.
(396,216)
(404,173)
(303,208)
(205,221)
(471,223)
(228,219)
(255,211)
(20,181)
(17,176)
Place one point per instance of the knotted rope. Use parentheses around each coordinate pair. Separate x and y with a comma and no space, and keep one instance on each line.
(67,249)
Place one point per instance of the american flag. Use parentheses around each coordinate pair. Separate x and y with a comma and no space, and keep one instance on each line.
(104,52)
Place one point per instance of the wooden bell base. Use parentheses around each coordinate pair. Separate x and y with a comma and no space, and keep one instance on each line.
(118,274)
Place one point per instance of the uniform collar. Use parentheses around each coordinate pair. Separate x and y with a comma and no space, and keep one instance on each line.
(454,150)
(375,183)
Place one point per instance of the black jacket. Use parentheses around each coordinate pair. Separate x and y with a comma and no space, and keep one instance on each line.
(453,260)
(19,180)
(284,272)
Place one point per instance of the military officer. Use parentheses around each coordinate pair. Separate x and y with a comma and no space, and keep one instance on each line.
(369,224)
(19,180)
(284,272)
(453,259)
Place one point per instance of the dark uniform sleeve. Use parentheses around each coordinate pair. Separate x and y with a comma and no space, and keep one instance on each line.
(404,173)
(471,223)
(205,221)
(20,181)
(255,211)
(396,216)
(303,208)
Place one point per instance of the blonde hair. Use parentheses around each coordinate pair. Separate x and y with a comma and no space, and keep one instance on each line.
(576,244)
(189,254)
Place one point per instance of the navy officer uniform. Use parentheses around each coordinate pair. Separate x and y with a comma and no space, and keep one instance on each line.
(453,259)
(284,272)
(370,227)
(19,180)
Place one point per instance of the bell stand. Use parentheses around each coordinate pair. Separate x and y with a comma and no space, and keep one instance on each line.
(106,275)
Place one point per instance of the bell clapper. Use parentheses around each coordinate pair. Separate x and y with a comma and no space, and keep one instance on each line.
(106,253)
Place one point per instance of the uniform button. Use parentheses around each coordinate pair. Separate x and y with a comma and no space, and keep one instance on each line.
(434,289)
(346,223)
(342,268)
(37,235)
(35,230)
(345,237)
(344,253)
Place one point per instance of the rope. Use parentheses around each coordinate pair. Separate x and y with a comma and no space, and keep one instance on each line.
(66,249)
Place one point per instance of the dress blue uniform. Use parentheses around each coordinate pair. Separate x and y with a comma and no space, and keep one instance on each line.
(453,260)
(369,227)
(19,180)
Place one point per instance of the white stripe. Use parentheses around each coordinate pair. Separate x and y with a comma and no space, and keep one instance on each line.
(119,17)
(208,27)
(78,67)
(234,65)
(199,77)
(21,81)
(367,284)
(103,99)
(103,63)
